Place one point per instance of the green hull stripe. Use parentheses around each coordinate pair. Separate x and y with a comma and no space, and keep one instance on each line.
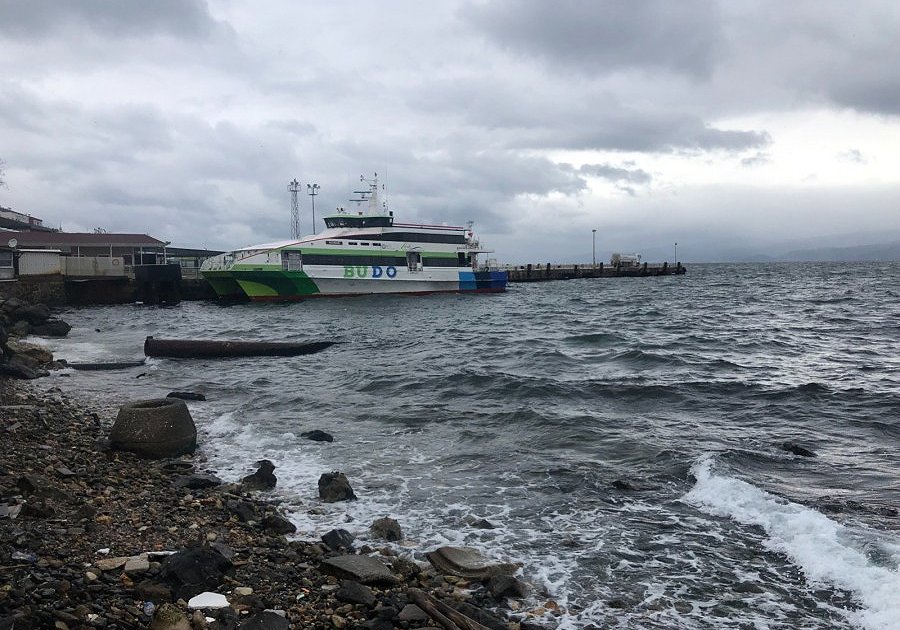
(222,283)
(273,283)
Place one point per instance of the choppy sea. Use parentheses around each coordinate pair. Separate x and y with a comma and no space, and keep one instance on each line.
(626,437)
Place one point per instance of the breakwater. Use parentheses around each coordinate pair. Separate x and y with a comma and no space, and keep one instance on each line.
(548,271)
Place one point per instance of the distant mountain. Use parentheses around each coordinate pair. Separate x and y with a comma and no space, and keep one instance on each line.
(854,253)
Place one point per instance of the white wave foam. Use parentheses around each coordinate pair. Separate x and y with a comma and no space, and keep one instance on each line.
(828,553)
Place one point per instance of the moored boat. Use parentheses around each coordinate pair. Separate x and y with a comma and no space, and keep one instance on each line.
(359,252)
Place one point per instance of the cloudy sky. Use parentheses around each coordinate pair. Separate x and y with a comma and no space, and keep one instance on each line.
(724,126)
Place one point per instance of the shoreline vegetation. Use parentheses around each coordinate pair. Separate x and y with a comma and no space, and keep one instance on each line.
(92,537)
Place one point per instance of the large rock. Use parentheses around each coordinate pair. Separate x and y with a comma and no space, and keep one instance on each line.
(352,592)
(338,539)
(266,620)
(277,524)
(468,563)
(334,487)
(20,329)
(21,371)
(157,428)
(38,353)
(262,479)
(362,569)
(194,571)
(317,435)
(506,586)
(11,305)
(32,313)
(51,328)
(387,529)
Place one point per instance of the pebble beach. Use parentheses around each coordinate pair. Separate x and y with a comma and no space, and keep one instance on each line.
(89,538)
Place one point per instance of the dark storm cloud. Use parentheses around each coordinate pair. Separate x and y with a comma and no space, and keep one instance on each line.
(859,67)
(659,132)
(514,115)
(602,36)
(34,19)
(877,94)
(827,52)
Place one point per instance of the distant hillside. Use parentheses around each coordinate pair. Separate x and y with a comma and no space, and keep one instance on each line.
(855,253)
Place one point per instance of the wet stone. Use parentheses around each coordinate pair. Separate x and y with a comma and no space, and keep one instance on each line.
(338,539)
(387,529)
(278,525)
(363,569)
(411,612)
(263,478)
(334,487)
(196,481)
(355,593)
(468,562)
(317,435)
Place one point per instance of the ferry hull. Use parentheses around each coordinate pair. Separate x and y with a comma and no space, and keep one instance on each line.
(224,284)
(275,285)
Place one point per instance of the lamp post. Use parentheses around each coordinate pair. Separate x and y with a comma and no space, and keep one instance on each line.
(594,247)
(676,254)
(312,190)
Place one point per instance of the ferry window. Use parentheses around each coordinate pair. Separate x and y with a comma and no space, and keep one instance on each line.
(291,261)
(351,243)
(366,244)
(377,222)
(376,244)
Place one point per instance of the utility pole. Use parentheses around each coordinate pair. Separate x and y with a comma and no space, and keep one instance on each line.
(294,187)
(312,190)
(594,247)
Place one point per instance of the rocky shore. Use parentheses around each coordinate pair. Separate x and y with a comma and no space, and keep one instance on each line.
(97,538)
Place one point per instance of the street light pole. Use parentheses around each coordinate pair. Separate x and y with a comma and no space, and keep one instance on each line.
(594,247)
(676,254)
(312,190)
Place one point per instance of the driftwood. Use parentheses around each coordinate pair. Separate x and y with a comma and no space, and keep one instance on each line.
(449,618)
(212,349)
(114,365)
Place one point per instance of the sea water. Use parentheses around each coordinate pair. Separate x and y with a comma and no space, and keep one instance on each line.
(626,438)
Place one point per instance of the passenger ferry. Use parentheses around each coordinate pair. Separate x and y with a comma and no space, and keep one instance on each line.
(359,252)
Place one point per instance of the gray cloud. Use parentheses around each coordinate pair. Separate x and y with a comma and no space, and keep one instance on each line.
(605,36)
(186,119)
(757,159)
(35,19)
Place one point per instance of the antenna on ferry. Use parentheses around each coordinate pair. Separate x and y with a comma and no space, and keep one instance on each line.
(294,187)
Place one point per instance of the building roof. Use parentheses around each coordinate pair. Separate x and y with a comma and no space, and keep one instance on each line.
(189,252)
(83,239)
(13,224)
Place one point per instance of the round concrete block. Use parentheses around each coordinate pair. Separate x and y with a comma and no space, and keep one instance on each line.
(156,428)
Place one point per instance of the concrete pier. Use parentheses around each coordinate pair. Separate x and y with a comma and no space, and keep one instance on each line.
(543,273)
